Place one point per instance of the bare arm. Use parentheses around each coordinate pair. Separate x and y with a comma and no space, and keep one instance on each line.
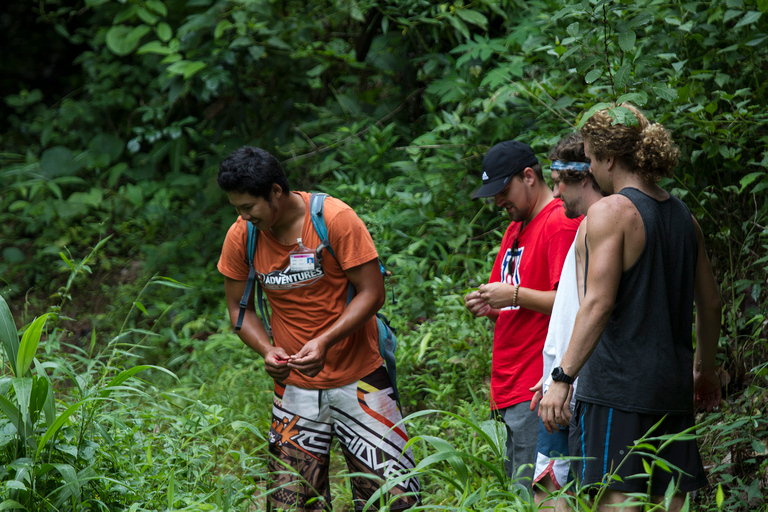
(252,332)
(500,295)
(708,310)
(370,294)
(606,253)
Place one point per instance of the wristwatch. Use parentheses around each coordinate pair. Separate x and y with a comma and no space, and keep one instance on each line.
(558,375)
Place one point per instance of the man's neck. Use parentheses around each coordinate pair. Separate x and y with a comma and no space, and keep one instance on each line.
(625,179)
(544,198)
(290,213)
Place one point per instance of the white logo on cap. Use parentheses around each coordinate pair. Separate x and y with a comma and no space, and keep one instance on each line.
(485,176)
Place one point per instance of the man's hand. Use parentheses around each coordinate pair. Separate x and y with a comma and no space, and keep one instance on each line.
(276,363)
(536,393)
(496,295)
(706,389)
(554,408)
(310,360)
(476,305)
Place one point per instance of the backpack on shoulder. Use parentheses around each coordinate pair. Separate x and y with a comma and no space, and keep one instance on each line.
(387,338)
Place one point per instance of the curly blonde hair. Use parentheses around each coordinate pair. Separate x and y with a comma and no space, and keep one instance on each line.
(645,148)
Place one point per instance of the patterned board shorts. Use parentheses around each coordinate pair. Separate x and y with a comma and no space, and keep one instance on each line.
(362,416)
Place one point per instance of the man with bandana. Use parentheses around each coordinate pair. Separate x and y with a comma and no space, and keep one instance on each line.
(578,190)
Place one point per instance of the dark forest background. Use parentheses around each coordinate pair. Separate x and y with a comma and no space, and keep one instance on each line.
(128,389)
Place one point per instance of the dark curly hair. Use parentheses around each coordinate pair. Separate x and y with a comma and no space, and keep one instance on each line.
(253,171)
(645,149)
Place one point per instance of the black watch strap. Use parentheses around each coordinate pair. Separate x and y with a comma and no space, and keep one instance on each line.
(558,375)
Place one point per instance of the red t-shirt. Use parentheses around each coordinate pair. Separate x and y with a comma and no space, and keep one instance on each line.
(518,338)
(306,304)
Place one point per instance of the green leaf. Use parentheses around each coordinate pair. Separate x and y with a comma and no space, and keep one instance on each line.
(473,17)
(122,40)
(762,5)
(141,307)
(154,47)
(748,180)
(186,68)
(720,496)
(622,77)
(29,343)
(593,75)
(636,98)
(665,92)
(157,6)
(221,27)
(459,25)
(573,29)
(749,18)
(57,424)
(164,31)
(589,113)
(627,40)
(9,335)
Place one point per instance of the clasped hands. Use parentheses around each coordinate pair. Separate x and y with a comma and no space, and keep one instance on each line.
(310,360)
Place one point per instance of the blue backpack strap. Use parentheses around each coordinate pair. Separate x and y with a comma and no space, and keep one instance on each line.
(387,339)
(250,250)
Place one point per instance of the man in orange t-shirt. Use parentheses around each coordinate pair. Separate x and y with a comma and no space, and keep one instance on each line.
(329,376)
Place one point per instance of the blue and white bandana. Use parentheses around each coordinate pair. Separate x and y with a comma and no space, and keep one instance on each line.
(559,165)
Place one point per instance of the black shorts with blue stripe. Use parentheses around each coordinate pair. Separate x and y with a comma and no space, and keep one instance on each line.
(607,442)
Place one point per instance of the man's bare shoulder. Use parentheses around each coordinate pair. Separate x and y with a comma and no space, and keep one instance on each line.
(611,212)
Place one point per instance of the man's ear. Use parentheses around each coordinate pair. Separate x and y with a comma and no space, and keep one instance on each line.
(276,191)
(529,176)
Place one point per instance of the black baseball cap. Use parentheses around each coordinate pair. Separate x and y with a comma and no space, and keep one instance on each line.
(500,163)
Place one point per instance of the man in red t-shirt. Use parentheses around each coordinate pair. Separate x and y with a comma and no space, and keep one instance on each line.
(329,376)
(521,290)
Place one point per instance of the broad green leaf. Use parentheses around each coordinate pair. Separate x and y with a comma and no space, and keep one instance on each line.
(157,6)
(636,98)
(459,25)
(749,179)
(593,75)
(28,347)
(164,31)
(146,16)
(186,68)
(749,18)
(762,5)
(22,387)
(221,26)
(10,410)
(10,504)
(573,29)
(9,335)
(154,47)
(589,113)
(665,92)
(621,77)
(627,40)
(473,17)
(49,405)
(122,39)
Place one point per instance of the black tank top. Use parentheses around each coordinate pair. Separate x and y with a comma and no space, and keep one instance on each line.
(644,359)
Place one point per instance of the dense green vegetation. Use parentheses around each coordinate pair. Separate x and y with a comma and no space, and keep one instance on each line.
(128,390)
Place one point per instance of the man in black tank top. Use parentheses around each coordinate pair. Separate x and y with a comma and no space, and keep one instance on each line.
(631,344)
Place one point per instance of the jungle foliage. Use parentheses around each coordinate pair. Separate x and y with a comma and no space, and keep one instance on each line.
(115,115)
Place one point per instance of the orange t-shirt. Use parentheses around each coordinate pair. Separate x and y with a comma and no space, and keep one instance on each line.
(306,304)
